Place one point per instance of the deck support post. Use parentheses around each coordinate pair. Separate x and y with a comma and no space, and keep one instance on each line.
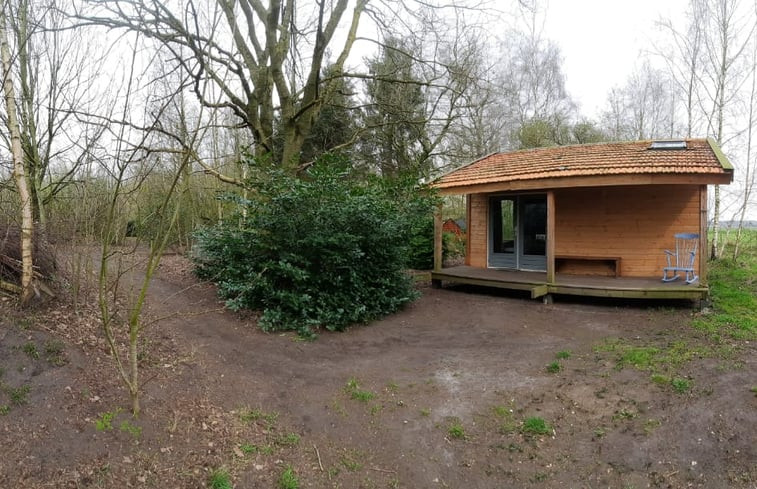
(438,238)
(703,236)
(550,237)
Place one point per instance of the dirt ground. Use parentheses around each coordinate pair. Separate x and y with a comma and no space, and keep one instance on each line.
(448,393)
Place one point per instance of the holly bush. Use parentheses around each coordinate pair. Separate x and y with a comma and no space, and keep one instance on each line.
(319,250)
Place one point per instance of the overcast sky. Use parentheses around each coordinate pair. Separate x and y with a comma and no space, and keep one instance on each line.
(602,39)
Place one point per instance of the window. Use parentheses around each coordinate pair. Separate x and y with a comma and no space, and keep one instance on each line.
(668,145)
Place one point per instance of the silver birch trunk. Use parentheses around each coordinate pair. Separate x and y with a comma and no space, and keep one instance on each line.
(19,173)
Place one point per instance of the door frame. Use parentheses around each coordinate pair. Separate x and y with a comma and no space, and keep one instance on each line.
(515,260)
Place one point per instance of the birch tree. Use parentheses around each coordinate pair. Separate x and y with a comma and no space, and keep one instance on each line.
(19,173)
(684,60)
(749,174)
(55,68)
(726,36)
(643,108)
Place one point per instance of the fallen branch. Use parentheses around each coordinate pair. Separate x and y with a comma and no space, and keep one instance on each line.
(317,454)
(7,286)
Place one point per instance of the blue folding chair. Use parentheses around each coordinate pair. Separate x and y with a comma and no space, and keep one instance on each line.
(682,259)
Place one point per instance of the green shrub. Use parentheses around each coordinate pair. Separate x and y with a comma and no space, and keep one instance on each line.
(421,249)
(319,250)
(421,245)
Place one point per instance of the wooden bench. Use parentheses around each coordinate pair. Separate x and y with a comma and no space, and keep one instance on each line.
(610,262)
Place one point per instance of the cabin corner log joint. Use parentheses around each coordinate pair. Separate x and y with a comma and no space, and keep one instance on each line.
(589,220)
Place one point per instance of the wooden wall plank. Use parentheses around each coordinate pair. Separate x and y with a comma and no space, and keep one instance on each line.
(634,222)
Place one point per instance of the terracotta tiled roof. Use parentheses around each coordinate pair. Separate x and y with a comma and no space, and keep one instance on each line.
(701,157)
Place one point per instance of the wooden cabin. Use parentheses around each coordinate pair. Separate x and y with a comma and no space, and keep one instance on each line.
(456,227)
(591,219)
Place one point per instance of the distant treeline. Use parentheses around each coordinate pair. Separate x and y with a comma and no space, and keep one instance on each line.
(735,224)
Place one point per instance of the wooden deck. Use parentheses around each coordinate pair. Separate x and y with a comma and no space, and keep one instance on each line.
(536,283)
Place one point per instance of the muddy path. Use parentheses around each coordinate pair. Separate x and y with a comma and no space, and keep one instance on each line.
(441,394)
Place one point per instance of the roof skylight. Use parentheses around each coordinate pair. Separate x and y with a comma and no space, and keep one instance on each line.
(668,145)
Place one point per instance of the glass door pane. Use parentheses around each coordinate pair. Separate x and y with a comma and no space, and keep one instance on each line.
(504,227)
(534,218)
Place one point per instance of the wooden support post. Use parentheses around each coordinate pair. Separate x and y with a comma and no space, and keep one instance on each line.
(438,238)
(467,228)
(550,237)
(703,251)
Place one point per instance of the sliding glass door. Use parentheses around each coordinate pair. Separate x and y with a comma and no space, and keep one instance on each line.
(518,232)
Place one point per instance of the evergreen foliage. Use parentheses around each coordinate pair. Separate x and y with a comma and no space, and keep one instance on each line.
(395,117)
(320,250)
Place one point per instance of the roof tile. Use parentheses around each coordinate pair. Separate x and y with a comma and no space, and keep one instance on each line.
(586,160)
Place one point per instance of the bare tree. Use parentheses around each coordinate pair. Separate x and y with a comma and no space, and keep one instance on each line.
(55,68)
(265,57)
(483,118)
(726,36)
(644,108)
(684,61)
(749,174)
(19,173)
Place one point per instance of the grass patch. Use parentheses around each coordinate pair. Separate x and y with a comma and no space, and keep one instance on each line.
(105,421)
(733,290)
(4,409)
(353,389)
(220,479)
(287,440)
(643,358)
(288,479)
(18,395)
(681,386)
(352,460)
(657,359)
(623,414)
(31,350)
(651,424)
(562,355)
(132,429)
(54,352)
(248,448)
(247,415)
(505,419)
(535,426)
(554,367)
(456,430)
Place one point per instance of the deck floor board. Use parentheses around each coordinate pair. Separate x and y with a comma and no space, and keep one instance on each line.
(631,287)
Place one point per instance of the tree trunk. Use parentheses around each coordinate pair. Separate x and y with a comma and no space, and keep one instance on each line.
(19,174)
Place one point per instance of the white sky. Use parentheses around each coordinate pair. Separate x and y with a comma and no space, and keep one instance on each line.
(601,40)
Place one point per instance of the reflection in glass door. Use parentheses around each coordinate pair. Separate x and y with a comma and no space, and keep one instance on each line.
(533,218)
(518,232)
(503,237)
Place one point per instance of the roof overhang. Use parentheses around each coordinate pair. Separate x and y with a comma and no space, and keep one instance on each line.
(592,181)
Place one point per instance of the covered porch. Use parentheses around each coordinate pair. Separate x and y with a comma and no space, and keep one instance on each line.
(566,284)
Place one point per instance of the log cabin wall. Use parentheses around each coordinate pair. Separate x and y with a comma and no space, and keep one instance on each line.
(478,231)
(635,223)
